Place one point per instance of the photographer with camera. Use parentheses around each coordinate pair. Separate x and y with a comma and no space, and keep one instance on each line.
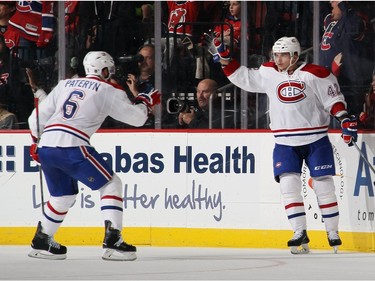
(197,117)
(135,73)
(143,81)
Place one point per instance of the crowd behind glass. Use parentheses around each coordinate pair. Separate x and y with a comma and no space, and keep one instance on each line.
(122,28)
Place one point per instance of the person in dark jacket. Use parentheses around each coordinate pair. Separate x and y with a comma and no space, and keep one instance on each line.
(198,117)
(342,51)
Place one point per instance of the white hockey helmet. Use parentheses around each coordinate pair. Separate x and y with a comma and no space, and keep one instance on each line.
(287,45)
(95,61)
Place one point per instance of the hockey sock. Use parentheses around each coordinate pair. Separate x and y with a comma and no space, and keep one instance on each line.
(290,186)
(325,192)
(55,212)
(111,200)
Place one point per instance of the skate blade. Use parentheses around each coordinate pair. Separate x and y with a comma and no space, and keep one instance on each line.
(41,254)
(298,250)
(113,255)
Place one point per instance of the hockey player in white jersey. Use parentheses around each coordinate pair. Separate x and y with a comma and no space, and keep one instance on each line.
(302,97)
(72,112)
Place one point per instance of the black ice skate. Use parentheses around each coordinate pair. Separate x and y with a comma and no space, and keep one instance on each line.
(299,243)
(45,247)
(114,246)
(334,240)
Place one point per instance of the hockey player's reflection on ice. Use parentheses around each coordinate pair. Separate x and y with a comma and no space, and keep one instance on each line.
(199,198)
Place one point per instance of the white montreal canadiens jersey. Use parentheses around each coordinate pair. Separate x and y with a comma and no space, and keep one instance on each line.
(300,103)
(76,108)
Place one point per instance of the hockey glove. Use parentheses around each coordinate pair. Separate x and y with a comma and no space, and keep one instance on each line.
(150,99)
(34,152)
(349,127)
(44,39)
(222,49)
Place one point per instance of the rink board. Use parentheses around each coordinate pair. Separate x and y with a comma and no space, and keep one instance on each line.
(191,189)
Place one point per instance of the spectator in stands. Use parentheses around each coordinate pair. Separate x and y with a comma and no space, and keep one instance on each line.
(71,36)
(140,80)
(104,22)
(32,25)
(7,9)
(343,52)
(185,30)
(197,117)
(145,12)
(143,81)
(10,85)
(370,103)
(179,34)
(8,120)
(181,12)
(233,21)
(229,32)
(29,36)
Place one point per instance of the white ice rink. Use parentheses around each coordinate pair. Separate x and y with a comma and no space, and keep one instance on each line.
(156,263)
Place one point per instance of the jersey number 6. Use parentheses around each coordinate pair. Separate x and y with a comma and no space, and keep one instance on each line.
(71,105)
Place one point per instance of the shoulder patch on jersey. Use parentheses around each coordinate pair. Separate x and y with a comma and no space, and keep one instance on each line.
(316,70)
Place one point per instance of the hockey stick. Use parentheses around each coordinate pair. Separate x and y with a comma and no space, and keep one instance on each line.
(362,118)
(36,103)
(364,158)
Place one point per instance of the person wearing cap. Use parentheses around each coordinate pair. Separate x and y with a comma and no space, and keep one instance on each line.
(302,99)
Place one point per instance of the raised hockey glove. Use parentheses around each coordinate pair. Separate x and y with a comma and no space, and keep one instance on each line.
(222,49)
(349,127)
(149,99)
(34,152)
(44,39)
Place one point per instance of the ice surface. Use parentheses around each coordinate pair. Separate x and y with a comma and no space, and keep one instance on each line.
(171,263)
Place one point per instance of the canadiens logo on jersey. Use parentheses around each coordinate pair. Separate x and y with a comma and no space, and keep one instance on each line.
(328,34)
(24,6)
(291,91)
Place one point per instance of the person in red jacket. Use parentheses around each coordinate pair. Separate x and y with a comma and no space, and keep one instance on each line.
(233,26)
(32,23)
